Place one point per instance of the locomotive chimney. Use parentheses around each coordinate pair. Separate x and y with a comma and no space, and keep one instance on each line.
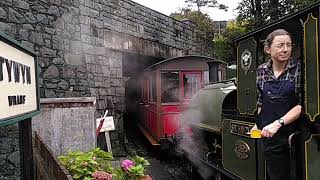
(213,70)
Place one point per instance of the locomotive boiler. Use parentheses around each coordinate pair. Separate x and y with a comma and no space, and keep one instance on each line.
(221,115)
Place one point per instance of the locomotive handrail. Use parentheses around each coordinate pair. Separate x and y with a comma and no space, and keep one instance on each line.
(292,136)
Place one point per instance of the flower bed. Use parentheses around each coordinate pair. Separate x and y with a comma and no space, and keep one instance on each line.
(96,165)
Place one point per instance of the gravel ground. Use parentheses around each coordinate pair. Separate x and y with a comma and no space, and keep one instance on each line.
(168,170)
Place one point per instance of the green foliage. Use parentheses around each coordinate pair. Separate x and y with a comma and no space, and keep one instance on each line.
(137,171)
(204,23)
(82,165)
(118,174)
(141,161)
(261,12)
(223,44)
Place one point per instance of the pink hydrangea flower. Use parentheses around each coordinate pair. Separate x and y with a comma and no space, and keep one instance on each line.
(100,175)
(127,164)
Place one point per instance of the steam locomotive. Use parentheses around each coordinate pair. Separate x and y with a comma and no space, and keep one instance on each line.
(211,128)
(221,116)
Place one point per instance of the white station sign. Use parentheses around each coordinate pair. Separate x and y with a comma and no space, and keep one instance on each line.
(17,82)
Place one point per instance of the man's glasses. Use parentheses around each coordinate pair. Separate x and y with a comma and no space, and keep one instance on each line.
(282,45)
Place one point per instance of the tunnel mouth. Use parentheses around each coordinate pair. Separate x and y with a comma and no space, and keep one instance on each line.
(133,66)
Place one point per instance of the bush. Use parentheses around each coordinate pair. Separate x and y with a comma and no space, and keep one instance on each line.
(95,165)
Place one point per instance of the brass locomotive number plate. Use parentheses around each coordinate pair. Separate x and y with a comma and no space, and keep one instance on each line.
(242,150)
(240,128)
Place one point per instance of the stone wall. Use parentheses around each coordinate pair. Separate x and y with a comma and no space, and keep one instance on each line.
(9,152)
(67,124)
(80,45)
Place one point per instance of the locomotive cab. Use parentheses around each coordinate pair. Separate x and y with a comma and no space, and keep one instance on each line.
(242,155)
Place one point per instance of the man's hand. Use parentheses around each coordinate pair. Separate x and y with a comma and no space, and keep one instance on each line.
(271,129)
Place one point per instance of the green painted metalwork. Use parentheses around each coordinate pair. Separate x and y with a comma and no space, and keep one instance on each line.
(243,168)
(311,67)
(247,94)
(312,158)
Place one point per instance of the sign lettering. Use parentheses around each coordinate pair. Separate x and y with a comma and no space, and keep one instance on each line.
(18,69)
(15,100)
(240,128)
(17,81)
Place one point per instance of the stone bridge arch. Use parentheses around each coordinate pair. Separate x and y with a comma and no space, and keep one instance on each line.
(81,46)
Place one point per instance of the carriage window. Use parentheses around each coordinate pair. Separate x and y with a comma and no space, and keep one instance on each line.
(219,75)
(192,83)
(169,87)
(206,77)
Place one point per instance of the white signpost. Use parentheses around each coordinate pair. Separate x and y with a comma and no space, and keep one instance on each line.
(108,125)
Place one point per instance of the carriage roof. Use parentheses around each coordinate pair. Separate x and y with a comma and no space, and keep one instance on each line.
(183,59)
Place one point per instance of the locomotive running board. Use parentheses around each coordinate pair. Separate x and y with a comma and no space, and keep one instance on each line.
(148,136)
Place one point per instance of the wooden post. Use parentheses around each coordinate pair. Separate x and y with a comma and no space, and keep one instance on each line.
(108,141)
(26,154)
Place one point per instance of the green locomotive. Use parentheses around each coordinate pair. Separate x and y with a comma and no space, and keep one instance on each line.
(224,116)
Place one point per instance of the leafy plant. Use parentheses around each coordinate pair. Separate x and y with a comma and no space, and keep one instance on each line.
(82,165)
(96,165)
(135,169)
(141,161)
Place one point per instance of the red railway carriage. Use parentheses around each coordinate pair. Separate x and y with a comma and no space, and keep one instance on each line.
(167,87)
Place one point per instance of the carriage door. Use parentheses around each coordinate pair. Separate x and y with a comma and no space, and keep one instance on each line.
(190,84)
(144,83)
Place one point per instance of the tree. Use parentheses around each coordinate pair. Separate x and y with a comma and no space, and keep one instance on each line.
(261,12)
(223,44)
(204,23)
(208,3)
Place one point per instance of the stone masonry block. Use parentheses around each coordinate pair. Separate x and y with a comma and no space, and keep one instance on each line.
(54,10)
(74,59)
(51,72)
(103,92)
(99,50)
(85,20)
(3,14)
(88,3)
(76,47)
(87,39)
(21,4)
(85,29)
(87,48)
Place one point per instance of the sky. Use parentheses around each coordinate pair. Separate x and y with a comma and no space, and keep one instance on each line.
(169,6)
